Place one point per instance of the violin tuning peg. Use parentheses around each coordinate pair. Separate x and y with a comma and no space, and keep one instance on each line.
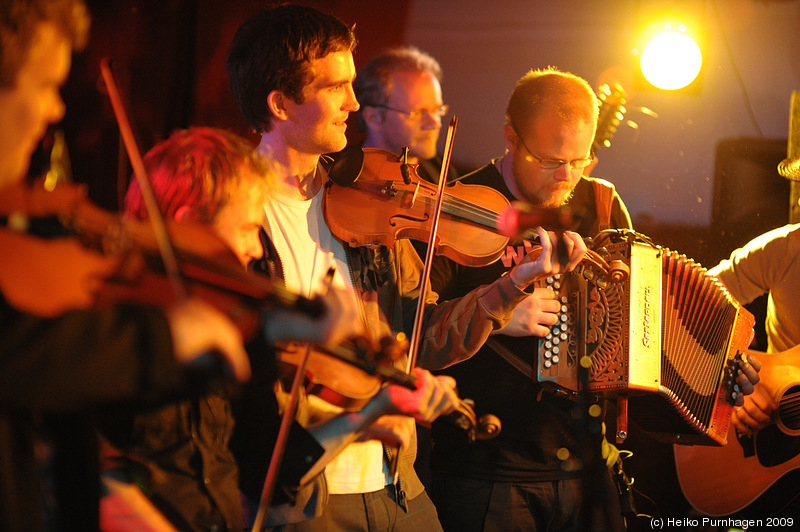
(488,427)
(393,348)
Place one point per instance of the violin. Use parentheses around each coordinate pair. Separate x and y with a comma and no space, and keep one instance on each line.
(333,379)
(373,198)
(62,252)
(348,375)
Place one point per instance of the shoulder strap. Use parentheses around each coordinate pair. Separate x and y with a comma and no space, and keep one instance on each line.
(521,366)
(604,199)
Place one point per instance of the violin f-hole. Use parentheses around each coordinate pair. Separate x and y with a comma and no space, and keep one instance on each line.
(422,220)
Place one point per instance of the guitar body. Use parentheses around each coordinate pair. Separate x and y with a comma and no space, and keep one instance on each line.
(721,481)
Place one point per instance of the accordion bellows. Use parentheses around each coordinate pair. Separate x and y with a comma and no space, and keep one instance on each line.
(652,328)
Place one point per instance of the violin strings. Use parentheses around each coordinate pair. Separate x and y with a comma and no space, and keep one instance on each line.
(468,210)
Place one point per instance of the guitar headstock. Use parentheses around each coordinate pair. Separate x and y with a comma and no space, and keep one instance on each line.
(612,110)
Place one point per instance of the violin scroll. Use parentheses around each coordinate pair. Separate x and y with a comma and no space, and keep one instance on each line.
(485,428)
(488,427)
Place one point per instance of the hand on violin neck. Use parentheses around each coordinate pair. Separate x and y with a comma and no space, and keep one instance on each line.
(340,321)
(433,397)
(546,259)
(198,329)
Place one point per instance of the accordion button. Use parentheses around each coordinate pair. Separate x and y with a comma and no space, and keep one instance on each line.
(563,317)
(547,363)
(555,349)
(563,326)
(563,336)
(555,359)
(547,354)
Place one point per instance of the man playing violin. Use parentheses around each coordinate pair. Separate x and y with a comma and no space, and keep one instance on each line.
(212,178)
(520,480)
(54,369)
(400,95)
(215,178)
(291,70)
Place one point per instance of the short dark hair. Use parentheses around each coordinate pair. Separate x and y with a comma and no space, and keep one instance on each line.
(372,84)
(273,50)
(571,95)
(19,21)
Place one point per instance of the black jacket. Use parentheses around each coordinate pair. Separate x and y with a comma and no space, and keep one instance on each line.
(53,373)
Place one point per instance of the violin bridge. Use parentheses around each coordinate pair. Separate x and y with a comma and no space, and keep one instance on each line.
(414,197)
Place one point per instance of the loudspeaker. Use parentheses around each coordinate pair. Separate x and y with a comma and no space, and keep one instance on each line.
(750,197)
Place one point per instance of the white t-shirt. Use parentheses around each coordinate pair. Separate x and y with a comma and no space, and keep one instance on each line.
(307,250)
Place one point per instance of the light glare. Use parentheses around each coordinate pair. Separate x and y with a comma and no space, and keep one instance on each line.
(671,60)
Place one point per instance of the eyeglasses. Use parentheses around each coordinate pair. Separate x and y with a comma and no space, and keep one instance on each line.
(552,164)
(416,114)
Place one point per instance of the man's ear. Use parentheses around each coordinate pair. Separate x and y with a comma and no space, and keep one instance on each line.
(182,213)
(372,116)
(510,136)
(276,102)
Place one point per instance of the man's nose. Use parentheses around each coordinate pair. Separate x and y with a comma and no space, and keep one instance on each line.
(563,172)
(431,120)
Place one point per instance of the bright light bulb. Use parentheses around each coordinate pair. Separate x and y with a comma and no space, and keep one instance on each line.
(671,60)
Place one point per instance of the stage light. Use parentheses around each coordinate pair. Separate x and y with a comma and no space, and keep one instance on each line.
(671,60)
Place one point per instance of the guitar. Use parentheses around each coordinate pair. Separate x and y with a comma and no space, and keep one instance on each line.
(612,110)
(723,480)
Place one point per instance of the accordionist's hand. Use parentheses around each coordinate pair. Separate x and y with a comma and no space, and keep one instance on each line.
(533,316)
(553,255)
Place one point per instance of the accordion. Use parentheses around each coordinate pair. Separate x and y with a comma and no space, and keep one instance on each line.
(652,329)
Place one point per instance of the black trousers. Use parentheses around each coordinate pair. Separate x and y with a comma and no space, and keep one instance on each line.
(469,505)
(375,511)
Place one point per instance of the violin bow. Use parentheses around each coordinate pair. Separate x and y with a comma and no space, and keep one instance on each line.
(413,348)
(135,157)
(286,424)
(426,271)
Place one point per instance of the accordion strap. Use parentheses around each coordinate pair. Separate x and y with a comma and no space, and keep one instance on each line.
(518,364)
(603,199)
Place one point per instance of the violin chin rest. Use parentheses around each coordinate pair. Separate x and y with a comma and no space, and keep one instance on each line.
(347,166)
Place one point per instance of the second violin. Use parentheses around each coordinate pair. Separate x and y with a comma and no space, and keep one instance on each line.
(369,201)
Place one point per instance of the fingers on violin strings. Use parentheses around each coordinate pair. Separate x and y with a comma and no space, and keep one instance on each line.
(547,244)
(576,246)
(447,381)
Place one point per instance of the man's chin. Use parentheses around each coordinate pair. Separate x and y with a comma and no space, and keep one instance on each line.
(423,154)
(555,199)
(337,146)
